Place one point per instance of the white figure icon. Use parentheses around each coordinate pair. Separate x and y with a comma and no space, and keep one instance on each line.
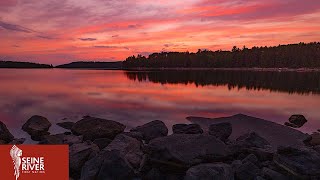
(16,154)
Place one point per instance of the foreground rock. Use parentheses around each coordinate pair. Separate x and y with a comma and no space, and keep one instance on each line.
(5,134)
(78,155)
(65,138)
(221,130)
(276,134)
(121,159)
(93,128)
(152,130)
(301,163)
(315,139)
(210,171)
(187,129)
(184,150)
(37,127)
(66,125)
(296,121)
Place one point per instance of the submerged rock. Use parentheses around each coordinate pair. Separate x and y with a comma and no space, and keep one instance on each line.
(152,130)
(296,121)
(93,128)
(187,129)
(301,163)
(210,171)
(221,130)
(66,125)
(5,134)
(37,127)
(182,150)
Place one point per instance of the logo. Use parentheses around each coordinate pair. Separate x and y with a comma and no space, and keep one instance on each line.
(34,162)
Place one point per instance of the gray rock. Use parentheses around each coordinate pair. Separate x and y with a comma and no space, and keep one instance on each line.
(187,129)
(18,141)
(136,135)
(78,155)
(93,128)
(298,120)
(61,139)
(37,127)
(66,125)
(5,134)
(210,171)
(250,158)
(186,149)
(263,154)
(252,139)
(152,130)
(221,130)
(102,142)
(301,163)
(129,148)
(271,174)
(247,171)
(315,139)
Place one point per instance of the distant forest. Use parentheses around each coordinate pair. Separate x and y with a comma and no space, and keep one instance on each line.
(15,64)
(302,55)
(92,65)
(290,82)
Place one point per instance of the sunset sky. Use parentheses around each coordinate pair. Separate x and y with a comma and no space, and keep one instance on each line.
(60,31)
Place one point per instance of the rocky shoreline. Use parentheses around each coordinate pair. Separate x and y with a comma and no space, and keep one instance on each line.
(102,149)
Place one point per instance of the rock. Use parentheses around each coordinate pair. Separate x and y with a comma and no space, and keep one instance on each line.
(247,171)
(317,148)
(78,155)
(93,128)
(115,166)
(5,134)
(37,127)
(61,139)
(152,130)
(3,142)
(315,139)
(136,135)
(298,120)
(187,129)
(263,154)
(291,125)
(301,163)
(18,141)
(66,125)
(271,174)
(102,142)
(236,164)
(129,148)
(252,139)
(210,171)
(259,178)
(221,130)
(250,158)
(181,150)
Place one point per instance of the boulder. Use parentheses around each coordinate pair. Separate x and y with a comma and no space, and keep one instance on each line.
(66,125)
(302,163)
(136,135)
(93,128)
(298,120)
(183,150)
(187,129)
(37,127)
(3,142)
(221,130)
(18,141)
(271,174)
(78,155)
(317,148)
(210,171)
(64,138)
(5,134)
(151,130)
(102,142)
(315,139)
(129,148)
(250,158)
(252,139)
(247,171)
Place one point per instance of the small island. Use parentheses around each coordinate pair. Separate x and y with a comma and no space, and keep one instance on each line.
(19,65)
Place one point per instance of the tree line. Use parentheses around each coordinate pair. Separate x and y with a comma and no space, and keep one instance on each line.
(302,55)
(16,64)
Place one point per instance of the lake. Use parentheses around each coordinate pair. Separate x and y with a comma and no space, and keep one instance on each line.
(136,97)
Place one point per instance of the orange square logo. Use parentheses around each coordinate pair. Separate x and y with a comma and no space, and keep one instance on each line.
(34,162)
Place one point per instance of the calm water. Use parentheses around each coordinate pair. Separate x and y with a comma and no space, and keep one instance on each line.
(134,98)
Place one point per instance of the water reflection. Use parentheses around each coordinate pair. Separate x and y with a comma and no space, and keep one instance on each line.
(290,82)
(58,94)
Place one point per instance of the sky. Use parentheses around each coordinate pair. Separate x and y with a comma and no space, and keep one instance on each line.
(61,31)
